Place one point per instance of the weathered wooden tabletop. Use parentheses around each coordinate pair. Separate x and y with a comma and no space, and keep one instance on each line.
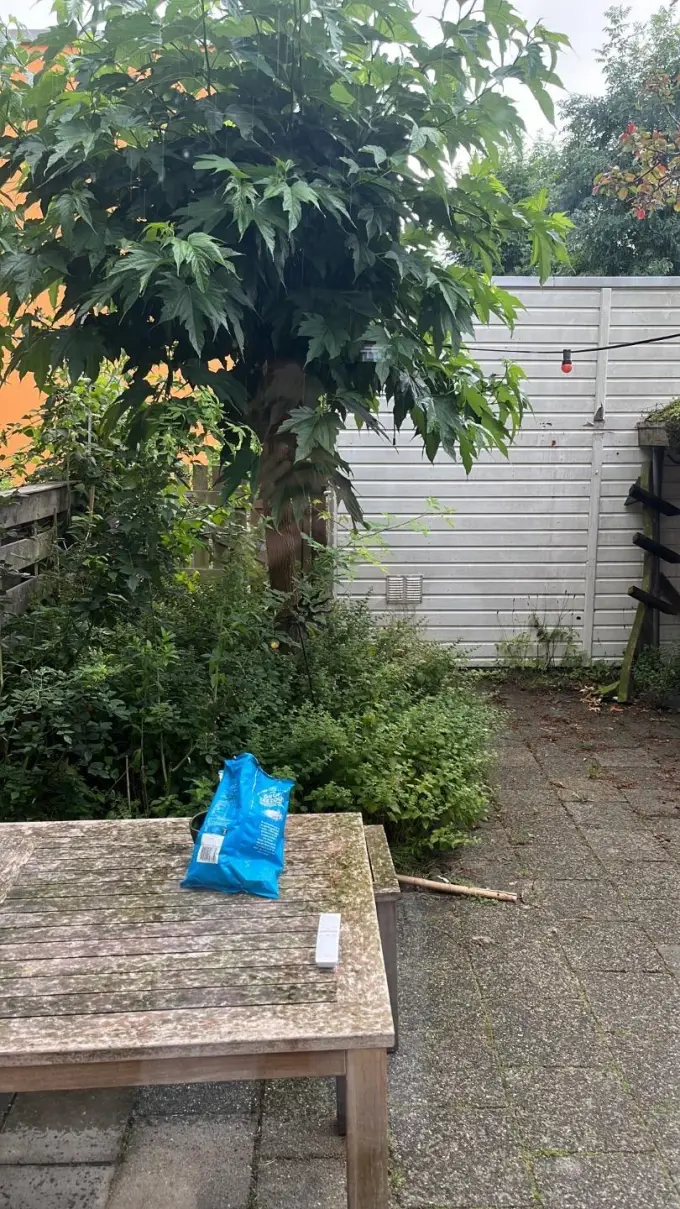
(104,958)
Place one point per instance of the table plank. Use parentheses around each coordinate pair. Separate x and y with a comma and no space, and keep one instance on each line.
(385,884)
(104,958)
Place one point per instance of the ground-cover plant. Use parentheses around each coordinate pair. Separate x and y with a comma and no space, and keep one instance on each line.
(656,676)
(124,688)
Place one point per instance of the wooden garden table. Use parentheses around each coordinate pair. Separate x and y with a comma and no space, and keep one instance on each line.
(111,975)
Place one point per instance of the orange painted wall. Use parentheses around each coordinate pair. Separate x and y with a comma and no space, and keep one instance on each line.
(17,399)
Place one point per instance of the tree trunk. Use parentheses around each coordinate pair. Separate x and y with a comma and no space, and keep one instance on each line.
(284,553)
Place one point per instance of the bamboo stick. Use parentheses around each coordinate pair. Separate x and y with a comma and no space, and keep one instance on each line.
(504,896)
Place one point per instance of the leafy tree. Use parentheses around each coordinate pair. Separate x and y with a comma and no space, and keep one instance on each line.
(258,196)
(640,62)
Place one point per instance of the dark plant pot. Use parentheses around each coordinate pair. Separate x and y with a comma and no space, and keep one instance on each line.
(196,824)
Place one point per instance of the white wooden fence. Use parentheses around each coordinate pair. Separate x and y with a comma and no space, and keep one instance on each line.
(546,531)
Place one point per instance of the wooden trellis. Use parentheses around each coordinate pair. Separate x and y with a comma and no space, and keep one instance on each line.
(656,594)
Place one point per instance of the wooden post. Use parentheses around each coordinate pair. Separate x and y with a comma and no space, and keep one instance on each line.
(657,488)
(367,1150)
(637,632)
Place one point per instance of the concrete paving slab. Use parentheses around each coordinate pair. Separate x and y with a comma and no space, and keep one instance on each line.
(50,1187)
(642,1003)
(574,1109)
(547,858)
(545,1029)
(589,900)
(527,966)
(614,815)
(66,1126)
(650,1062)
(185,1163)
(299,1120)
(616,1181)
(301,1184)
(186,1099)
(609,947)
(653,805)
(614,847)
(663,1122)
(461,1158)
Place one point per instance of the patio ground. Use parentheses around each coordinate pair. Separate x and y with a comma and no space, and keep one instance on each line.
(540,1045)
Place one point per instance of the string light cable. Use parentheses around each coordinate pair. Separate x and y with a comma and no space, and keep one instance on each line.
(568,353)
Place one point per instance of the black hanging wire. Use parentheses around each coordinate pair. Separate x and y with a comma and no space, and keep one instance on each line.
(596,348)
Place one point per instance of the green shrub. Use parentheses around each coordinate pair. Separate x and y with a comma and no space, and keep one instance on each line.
(128,685)
(656,675)
(367,717)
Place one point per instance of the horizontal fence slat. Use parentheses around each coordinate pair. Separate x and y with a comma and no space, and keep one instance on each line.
(27,550)
(24,505)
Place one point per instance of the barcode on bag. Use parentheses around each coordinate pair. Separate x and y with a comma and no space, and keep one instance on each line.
(209,851)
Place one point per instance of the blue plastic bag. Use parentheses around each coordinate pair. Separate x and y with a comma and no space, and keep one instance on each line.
(239,848)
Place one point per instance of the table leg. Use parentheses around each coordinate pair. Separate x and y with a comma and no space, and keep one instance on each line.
(367,1154)
(341,1104)
(387,922)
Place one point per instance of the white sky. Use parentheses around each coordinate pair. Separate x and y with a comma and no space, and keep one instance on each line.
(581,20)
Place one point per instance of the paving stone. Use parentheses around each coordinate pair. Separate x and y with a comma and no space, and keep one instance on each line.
(296,1184)
(648,880)
(185,1163)
(630,758)
(545,1029)
(490,842)
(633,1001)
(184,1099)
(528,966)
(444,1046)
(663,1122)
(613,847)
(463,1072)
(299,1120)
(428,926)
(671,956)
(485,917)
(583,789)
(650,805)
(609,946)
(572,861)
(589,900)
(66,1126)
(457,1159)
(54,1187)
(574,1110)
(615,815)
(667,833)
(673,1159)
(616,1181)
(650,1061)
(660,918)
(529,808)
(565,834)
